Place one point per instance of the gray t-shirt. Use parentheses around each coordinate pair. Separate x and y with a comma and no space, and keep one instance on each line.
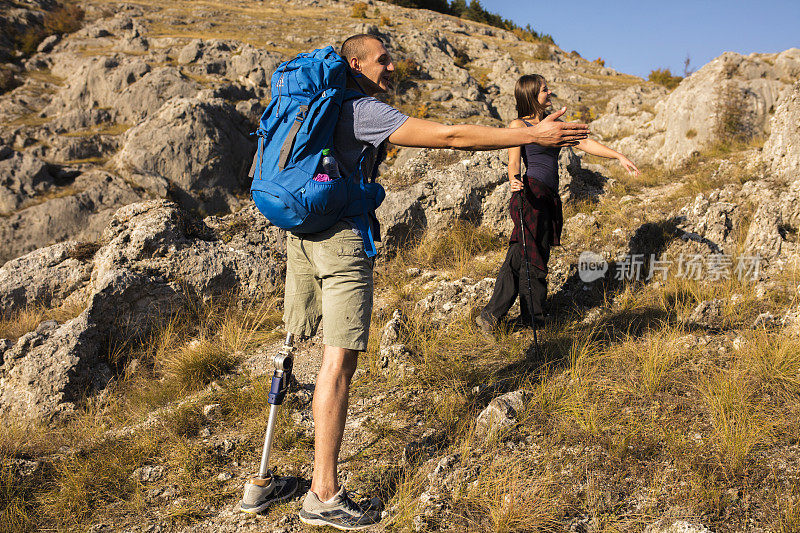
(364,123)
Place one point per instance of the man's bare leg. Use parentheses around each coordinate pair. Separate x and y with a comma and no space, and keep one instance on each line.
(331,396)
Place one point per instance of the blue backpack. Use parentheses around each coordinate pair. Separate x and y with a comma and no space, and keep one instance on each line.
(298,124)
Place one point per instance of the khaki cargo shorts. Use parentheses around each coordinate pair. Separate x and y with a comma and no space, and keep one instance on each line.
(329,278)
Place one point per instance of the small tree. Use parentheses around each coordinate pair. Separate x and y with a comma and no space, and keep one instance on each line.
(359,10)
(664,77)
(734,120)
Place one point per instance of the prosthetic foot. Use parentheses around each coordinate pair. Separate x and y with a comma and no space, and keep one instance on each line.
(265,488)
(261,493)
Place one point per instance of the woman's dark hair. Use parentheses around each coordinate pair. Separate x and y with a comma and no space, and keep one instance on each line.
(526,92)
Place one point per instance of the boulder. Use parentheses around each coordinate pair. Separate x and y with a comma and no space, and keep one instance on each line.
(501,413)
(77,211)
(443,195)
(450,299)
(44,277)
(668,525)
(782,149)
(686,120)
(712,220)
(128,85)
(22,176)
(47,370)
(772,235)
(200,147)
(155,257)
(454,185)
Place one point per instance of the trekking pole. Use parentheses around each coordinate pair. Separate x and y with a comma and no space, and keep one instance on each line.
(527,274)
(264,489)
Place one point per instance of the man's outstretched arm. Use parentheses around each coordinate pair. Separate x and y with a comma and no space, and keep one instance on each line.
(429,134)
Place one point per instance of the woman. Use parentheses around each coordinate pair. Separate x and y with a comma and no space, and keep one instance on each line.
(537,194)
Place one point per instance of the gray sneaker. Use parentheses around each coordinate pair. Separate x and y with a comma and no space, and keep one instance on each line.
(342,513)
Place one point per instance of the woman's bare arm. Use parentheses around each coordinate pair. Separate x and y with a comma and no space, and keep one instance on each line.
(590,146)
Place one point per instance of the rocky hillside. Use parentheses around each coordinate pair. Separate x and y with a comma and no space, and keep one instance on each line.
(140,289)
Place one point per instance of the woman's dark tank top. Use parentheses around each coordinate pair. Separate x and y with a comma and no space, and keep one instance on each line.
(541,163)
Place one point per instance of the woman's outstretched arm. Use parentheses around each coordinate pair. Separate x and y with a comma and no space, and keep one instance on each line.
(590,146)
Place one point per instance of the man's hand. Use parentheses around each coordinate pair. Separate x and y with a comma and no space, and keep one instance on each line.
(516,184)
(552,132)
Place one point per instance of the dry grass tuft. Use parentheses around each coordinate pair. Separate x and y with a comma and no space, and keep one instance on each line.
(198,363)
(739,425)
(455,251)
(15,325)
(63,19)
(15,500)
(511,496)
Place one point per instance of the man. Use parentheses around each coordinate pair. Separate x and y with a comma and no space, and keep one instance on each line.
(329,274)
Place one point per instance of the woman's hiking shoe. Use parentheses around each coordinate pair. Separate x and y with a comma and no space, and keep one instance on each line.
(341,513)
(486,325)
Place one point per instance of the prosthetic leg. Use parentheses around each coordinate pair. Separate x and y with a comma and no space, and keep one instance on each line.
(265,488)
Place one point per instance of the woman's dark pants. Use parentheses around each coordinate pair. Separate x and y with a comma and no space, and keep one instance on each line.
(512,281)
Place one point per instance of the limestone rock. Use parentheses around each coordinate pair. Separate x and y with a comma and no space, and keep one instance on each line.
(79,212)
(712,221)
(43,277)
(782,149)
(22,176)
(154,257)
(455,186)
(449,299)
(130,86)
(501,413)
(675,526)
(148,473)
(454,192)
(685,121)
(47,370)
(200,147)
(708,313)
(391,331)
(774,226)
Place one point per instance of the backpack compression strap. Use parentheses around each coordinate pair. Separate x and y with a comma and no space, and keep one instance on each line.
(286,149)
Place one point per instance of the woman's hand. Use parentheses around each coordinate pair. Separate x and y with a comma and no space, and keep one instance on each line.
(516,184)
(628,165)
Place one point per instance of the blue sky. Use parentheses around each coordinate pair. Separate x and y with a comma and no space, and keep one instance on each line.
(637,36)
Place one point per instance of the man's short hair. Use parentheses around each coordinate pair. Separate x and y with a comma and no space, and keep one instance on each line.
(355,46)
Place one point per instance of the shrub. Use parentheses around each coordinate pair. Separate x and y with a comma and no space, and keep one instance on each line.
(664,77)
(691,134)
(7,81)
(542,52)
(385,21)
(460,59)
(421,111)
(359,10)
(584,114)
(733,121)
(600,61)
(64,19)
(404,69)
